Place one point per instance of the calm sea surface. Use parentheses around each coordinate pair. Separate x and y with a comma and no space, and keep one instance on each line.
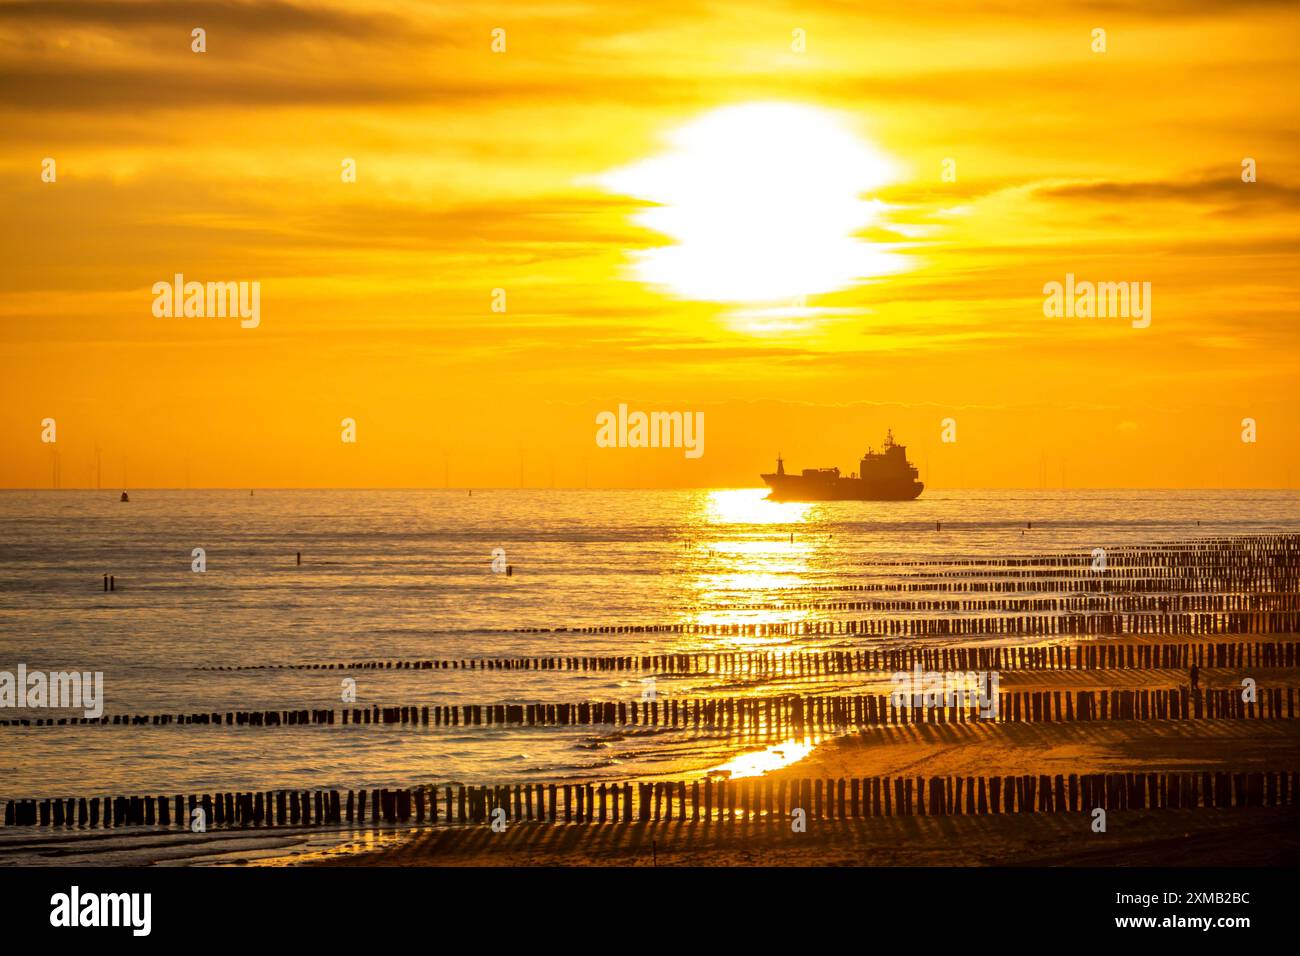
(408,575)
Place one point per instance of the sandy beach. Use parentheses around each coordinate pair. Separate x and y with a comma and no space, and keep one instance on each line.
(1246,836)
(1141,838)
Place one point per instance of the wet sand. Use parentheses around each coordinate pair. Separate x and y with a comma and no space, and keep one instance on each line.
(1235,836)
(1252,837)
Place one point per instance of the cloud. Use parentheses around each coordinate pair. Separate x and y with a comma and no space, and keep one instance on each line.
(1228,190)
(244,19)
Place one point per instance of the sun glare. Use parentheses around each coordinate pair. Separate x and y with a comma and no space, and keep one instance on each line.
(759,762)
(750,506)
(763,203)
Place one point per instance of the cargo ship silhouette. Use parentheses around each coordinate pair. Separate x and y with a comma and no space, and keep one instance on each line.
(883,476)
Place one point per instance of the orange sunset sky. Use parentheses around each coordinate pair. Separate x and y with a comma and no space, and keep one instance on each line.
(733,208)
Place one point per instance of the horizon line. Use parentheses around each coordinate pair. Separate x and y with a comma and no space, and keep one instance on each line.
(116,490)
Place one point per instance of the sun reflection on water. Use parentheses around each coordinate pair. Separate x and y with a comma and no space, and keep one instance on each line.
(733,568)
(750,506)
(759,762)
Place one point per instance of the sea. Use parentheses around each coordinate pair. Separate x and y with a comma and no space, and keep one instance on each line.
(290,577)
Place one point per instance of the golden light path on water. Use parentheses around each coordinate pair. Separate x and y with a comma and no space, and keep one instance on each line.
(766,561)
(732,565)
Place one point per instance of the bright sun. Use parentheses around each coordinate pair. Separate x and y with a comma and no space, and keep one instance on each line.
(763,202)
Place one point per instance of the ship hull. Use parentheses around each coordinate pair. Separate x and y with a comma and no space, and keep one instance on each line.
(799,488)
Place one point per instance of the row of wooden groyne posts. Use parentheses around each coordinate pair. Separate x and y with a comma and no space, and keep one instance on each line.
(773,714)
(1109,624)
(1182,578)
(1114,624)
(796,664)
(1107,602)
(1096,583)
(698,800)
(1267,550)
(1234,559)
